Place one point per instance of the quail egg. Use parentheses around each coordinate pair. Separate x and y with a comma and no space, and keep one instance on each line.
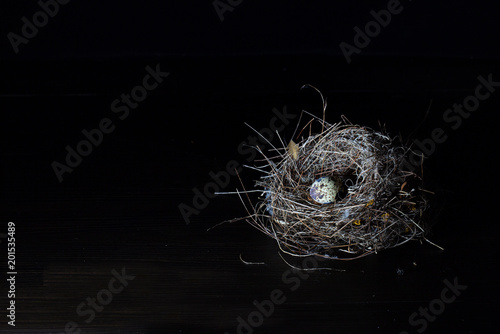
(324,190)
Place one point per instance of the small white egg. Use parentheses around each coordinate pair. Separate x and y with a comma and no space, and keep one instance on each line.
(324,190)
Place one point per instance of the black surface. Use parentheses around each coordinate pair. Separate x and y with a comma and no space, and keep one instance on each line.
(120,207)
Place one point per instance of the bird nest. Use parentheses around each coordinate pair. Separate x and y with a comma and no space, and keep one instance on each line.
(378,204)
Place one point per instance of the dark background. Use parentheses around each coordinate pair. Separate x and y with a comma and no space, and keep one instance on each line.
(119,207)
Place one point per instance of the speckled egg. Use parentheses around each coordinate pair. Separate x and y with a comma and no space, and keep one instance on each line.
(324,190)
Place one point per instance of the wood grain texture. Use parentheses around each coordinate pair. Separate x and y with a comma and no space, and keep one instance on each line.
(119,208)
